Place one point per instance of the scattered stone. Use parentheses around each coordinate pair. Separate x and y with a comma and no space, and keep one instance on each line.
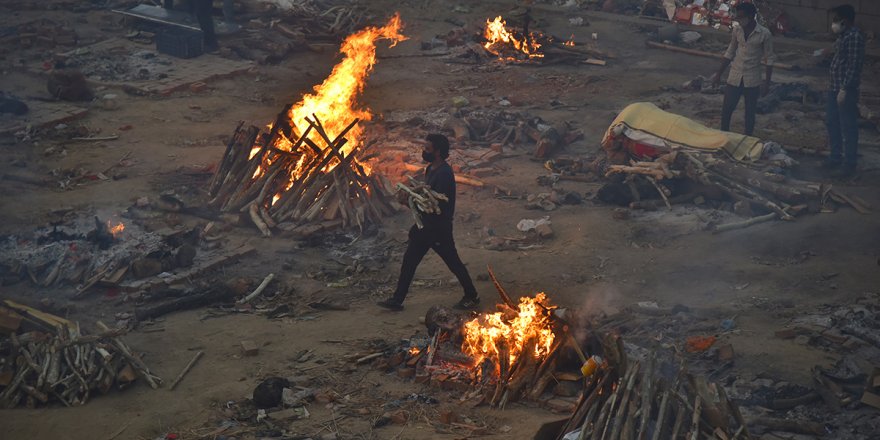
(249,348)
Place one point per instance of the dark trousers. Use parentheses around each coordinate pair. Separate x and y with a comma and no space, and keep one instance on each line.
(842,121)
(438,238)
(202,10)
(731,100)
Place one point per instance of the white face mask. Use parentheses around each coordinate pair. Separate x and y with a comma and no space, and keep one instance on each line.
(836,27)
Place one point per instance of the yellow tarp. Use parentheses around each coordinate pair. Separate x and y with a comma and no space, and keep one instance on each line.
(679,130)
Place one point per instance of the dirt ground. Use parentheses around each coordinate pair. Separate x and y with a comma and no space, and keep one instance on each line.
(762,276)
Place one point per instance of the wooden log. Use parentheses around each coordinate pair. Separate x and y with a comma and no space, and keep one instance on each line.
(213,295)
(702,53)
(679,420)
(647,396)
(268,279)
(226,161)
(695,420)
(258,222)
(621,411)
(523,376)
(186,370)
(745,223)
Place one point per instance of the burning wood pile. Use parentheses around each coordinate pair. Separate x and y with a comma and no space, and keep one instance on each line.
(311,165)
(515,354)
(45,359)
(525,46)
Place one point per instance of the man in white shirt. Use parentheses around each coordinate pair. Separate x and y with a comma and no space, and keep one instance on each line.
(750,44)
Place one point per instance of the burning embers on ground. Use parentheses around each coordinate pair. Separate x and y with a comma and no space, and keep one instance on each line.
(312,164)
(519,44)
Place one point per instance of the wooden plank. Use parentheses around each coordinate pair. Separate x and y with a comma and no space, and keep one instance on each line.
(9,320)
(46,318)
(192,272)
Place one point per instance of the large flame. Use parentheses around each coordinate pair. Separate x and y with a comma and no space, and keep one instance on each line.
(485,335)
(334,101)
(497,36)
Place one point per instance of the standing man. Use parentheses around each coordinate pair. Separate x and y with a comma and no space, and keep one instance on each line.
(437,231)
(842,112)
(750,43)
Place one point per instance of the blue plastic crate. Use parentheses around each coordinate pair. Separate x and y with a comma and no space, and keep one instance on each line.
(181,43)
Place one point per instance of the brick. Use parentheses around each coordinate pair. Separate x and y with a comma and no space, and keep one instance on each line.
(249,348)
(448,417)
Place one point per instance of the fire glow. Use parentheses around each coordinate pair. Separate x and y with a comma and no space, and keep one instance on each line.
(529,331)
(498,36)
(115,230)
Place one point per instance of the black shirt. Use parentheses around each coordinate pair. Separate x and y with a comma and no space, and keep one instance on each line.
(441,179)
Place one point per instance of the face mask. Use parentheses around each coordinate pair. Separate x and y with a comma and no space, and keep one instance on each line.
(836,27)
(428,157)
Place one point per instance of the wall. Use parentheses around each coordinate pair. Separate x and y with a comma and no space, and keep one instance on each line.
(811,15)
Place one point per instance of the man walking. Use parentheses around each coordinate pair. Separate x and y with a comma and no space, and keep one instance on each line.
(750,43)
(437,231)
(842,112)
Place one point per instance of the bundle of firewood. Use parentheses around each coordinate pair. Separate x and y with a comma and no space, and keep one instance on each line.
(302,183)
(422,199)
(54,361)
(631,399)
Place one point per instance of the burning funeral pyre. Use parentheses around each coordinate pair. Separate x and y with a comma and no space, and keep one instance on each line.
(516,353)
(524,46)
(311,164)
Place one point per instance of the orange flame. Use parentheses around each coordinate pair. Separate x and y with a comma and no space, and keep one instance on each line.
(497,35)
(115,230)
(334,101)
(413,351)
(484,335)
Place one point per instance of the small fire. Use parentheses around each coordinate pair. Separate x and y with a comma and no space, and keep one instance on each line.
(413,351)
(497,36)
(570,42)
(115,230)
(485,336)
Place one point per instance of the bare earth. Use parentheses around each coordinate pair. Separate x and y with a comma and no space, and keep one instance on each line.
(758,275)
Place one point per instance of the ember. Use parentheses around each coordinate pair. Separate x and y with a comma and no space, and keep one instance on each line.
(115,230)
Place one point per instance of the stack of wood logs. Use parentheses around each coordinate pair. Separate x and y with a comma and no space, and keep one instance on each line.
(54,361)
(422,199)
(311,182)
(778,196)
(625,400)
